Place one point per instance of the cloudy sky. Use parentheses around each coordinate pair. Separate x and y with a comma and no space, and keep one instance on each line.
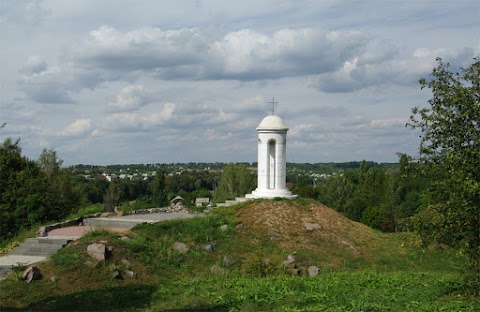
(121,82)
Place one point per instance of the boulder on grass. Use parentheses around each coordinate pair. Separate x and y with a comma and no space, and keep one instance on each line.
(97,251)
(31,274)
(313,271)
(180,247)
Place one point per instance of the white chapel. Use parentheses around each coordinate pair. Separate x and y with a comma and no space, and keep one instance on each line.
(272,163)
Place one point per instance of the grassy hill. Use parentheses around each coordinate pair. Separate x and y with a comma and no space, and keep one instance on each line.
(360,269)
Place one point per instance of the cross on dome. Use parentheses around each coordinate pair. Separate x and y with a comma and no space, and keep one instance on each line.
(273,105)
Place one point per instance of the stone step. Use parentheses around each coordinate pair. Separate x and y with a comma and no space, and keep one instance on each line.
(112,222)
(39,246)
(46,241)
(35,250)
(4,271)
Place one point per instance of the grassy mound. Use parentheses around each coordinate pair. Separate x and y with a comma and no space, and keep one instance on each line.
(361,269)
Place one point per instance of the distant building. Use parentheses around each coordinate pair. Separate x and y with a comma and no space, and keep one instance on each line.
(202,201)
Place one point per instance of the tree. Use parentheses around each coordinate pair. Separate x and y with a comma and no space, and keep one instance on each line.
(49,162)
(236,180)
(159,195)
(112,197)
(450,151)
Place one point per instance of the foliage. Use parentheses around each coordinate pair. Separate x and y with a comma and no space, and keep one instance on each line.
(8,248)
(113,196)
(31,195)
(235,181)
(450,152)
(159,196)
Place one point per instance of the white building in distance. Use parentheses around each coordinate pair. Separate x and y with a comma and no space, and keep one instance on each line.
(272,163)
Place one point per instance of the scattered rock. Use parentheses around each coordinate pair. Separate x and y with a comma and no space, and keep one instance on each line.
(208,248)
(289,263)
(180,247)
(217,270)
(295,272)
(273,238)
(117,275)
(224,227)
(31,274)
(97,251)
(228,261)
(130,274)
(53,279)
(125,238)
(239,226)
(309,227)
(290,259)
(313,271)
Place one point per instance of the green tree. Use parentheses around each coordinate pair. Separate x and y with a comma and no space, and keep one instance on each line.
(113,196)
(158,186)
(49,162)
(450,151)
(236,180)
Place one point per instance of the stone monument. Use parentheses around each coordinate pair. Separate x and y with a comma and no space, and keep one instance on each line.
(272,163)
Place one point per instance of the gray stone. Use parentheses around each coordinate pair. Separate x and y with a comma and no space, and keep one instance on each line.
(217,270)
(295,272)
(130,274)
(180,247)
(239,226)
(117,275)
(224,227)
(289,263)
(228,261)
(97,251)
(309,227)
(53,279)
(125,238)
(31,274)
(208,248)
(290,259)
(313,271)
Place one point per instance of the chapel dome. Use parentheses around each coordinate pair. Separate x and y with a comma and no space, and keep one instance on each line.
(272,122)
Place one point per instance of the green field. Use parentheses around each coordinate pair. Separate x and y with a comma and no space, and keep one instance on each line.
(360,269)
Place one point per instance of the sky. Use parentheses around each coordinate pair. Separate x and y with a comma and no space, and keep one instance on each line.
(129,82)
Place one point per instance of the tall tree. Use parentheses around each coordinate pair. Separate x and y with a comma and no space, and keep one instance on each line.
(450,151)
(49,162)
(236,180)
(159,194)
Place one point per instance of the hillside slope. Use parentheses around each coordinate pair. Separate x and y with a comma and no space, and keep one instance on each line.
(166,279)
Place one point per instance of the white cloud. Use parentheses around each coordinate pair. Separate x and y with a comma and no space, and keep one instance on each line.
(79,127)
(127,121)
(130,98)
(34,65)
(174,75)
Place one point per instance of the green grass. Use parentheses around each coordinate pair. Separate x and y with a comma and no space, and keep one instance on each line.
(395,276)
